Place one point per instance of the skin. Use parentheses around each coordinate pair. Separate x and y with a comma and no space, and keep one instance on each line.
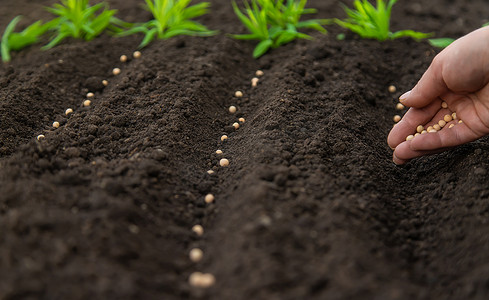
(458,75)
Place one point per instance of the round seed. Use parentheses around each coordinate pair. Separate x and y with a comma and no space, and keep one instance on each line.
(392,89)
(236,125)
(442,123)
(460,121)
(259,73)
(432,131)
(397,118)
(209,198)
(90,94)
(424,132)
(419,128)
(116,71)
(196,255)
(55,124)
(224,162)
(136,54)
(447,118)
(198,229)
(210,172)
(105,82)
(429,128)
(451,125)
(436,127)
(87,103)
(454,116)
(41,136)
(238,94)
(242,120)
(416,134)
(198,279)
(444,104)
(218,151)
(123,58)
(68,111)
(207,280)
(224,137)
(409,137)
(232,109)
(399,106)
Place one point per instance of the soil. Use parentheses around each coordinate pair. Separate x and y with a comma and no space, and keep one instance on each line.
(310,207)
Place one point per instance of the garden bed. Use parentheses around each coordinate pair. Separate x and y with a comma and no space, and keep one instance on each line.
(310,207)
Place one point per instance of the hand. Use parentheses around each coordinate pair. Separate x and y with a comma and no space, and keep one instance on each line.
(458,75)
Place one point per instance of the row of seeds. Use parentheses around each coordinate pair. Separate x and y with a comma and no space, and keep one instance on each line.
(206,280)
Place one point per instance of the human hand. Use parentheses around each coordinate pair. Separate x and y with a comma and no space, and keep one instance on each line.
(459,76)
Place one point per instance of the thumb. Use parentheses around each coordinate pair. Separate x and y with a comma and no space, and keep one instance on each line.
(428,89)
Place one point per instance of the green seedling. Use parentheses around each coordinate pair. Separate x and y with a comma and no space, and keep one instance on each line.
(171,18)
(274,23)
(77,19)
(374,22)
(15,41)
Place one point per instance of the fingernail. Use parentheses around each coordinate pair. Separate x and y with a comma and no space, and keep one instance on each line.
(404,96)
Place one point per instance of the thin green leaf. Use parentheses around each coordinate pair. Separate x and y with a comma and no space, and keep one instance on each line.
(262,48)
(441,42)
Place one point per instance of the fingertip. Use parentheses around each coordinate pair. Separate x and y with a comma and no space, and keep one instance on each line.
(397,160)
(404,97)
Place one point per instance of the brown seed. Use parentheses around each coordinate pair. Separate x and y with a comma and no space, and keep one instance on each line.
(236,125)
(123,58)
(136,54)
(90,94)
(209,198)
(397,118)
(451,125)
(224,162)
(442,123)
(68,111)
(198,229)
(436,127)
(116,71)
(55,124)
(238,94)
(259,73)
(444,104)
(242,120)
(41,136)
(87,103)
(392,89)
(419,128)
(400,106)
(196,255)
(409,137)
(224,137)
(232,109)
(447,118)
(105,82)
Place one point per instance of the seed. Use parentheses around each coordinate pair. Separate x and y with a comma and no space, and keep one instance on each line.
(409,137)
(397,118)
(218,151)
(444,104)
(224,162)
(232,109)
(224,137)
(196,255)
(399,106)
(432,131)
(209,198)
(429,128)
(198,279)
(198,229)
(419,128)
(136,54)
(105,82)
(451,125)
(238,94)
(123,58)
(254,81)
(133,228)
(236,125)
(392,89)
(436,127)
(90,94)
(41,136)
(460,121)
(116,71)
(68,111)
(259,73)
(55,124)
(424,131)
(210,172)
(242,120)
(442,123)
(454,116)
(87,103)
(417,133)
(447,118)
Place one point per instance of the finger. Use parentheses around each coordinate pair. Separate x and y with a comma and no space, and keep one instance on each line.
(429,87)
(399,159)
(411,120)
(445,138)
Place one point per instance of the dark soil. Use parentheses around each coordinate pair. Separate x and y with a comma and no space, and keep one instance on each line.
(311,206)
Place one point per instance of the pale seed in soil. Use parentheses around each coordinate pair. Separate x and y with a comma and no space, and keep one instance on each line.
(105,82)
(397,118)
(236,125)
(242,120)
(209,198)
(68,111)
(123,58)
(238,94)
(87,103)
(90,95)
(224,137)
(116,71)
(254,82)
(259,73)
(218,151)
(41,136)
(196,255)
(210,172)
(224,162)
(392,89)
(136,54)
(232,109)
(399,106)
(55,124)
(198,229)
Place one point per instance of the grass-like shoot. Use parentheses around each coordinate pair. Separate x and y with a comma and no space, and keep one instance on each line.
(171,18)
(15,41)
(374,22)
(275,23)
(77,19)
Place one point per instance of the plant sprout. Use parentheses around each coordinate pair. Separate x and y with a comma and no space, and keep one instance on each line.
(373,22)
(15,41)
(171,18)
(275,23)
(77,19)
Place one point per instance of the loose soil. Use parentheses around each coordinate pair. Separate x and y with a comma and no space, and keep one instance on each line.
(311,206)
